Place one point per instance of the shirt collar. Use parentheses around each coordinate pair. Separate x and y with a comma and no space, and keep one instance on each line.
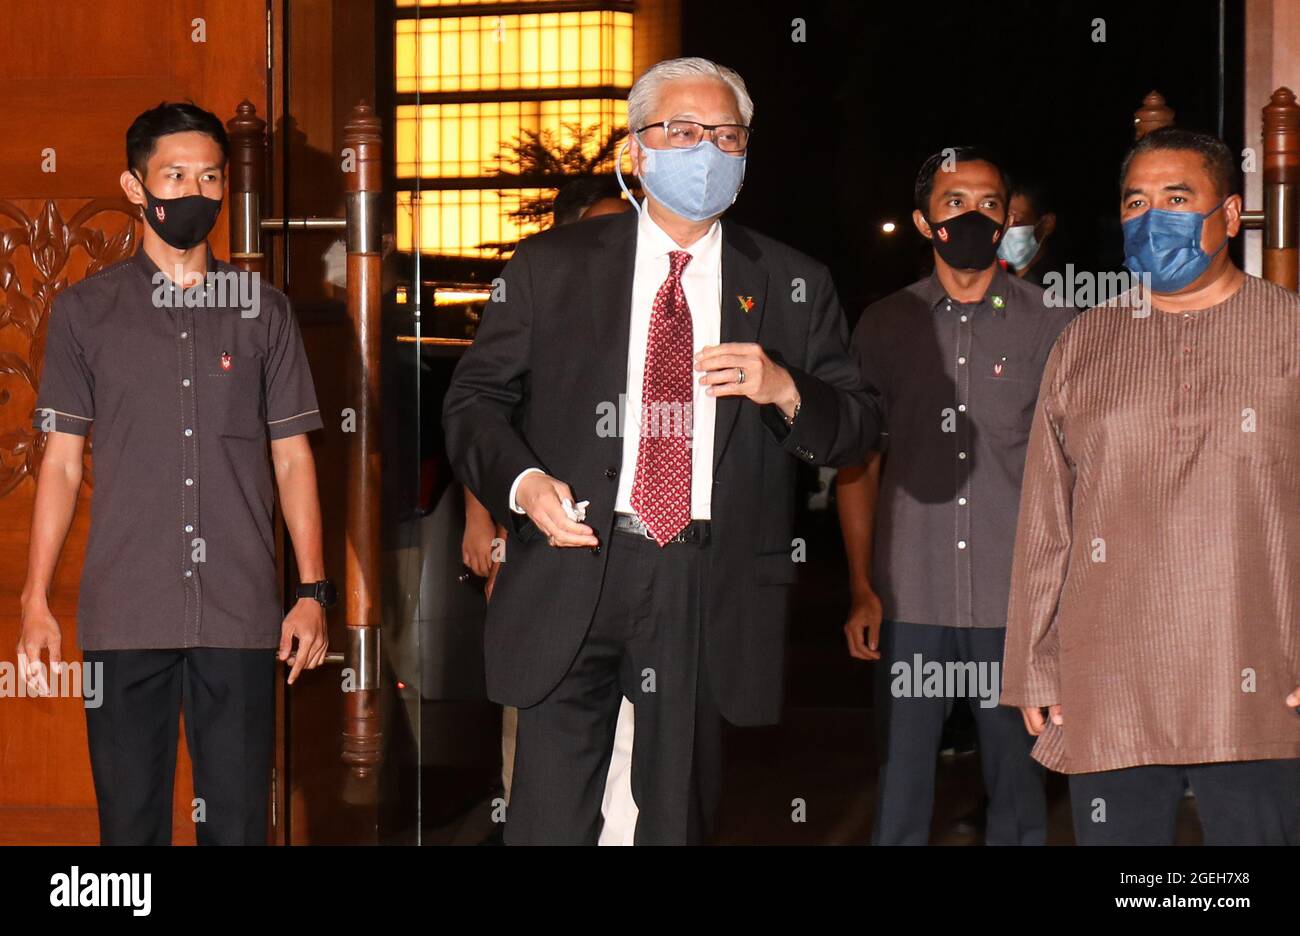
(999,289)
(145,262)
(654,242)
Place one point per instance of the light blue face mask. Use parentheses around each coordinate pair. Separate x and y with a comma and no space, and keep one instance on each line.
(1018,245)
(696,182)
(1167,245)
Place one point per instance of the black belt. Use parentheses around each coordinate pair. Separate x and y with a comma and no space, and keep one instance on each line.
(697,531)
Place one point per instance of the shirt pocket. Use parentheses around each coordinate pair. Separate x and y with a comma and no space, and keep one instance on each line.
(236,398)
(1256,419)
(1005,404)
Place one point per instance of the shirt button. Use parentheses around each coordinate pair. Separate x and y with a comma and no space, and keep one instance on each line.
(185,334)
(961,360)
(185,382)
(188,573)
(964,317)
(961,501)
(961,455)
(189,432)
(1187,350)
(1187,386)
(961,407)
(189,482)
(189,528)
(961,544)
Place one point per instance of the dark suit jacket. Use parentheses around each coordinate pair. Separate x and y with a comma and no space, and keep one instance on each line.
(550,358)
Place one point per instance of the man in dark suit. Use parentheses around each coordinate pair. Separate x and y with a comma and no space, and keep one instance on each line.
(665,371)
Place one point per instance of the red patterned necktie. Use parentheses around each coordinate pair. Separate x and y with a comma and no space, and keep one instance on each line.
(661,490)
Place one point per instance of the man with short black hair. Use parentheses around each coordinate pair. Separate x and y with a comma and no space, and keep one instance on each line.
(957,357)
(186,368)
(1155,600)
(1028,247)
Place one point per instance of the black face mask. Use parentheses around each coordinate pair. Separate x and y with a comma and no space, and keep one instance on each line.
(967,241)
(183,222)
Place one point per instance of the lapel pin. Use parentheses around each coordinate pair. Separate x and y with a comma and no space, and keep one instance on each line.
(746,302)
(225,360)
(998,302)
(998,366)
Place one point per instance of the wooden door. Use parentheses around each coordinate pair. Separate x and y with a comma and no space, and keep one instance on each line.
(72,77)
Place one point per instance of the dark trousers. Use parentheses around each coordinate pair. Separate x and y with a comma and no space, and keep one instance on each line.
(645,643)
(1238,803)
(228,697)
(908,730)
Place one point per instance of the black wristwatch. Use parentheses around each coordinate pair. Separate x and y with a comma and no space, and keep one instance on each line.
(323,591)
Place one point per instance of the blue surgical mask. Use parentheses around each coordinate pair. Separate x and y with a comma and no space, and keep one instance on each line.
(1167,245)
(1018,245)
(694,182)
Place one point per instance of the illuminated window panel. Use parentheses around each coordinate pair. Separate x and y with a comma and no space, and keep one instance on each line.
(458,222)
(437,3)
(444,141)
(521,50)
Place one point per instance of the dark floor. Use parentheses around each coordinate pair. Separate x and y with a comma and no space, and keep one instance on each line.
(823,751)
(820,760)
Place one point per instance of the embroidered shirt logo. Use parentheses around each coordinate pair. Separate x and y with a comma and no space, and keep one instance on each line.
(226,360)
(998,367)
(746,302)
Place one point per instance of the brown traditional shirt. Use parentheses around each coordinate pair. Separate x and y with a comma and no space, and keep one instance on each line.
(1155,592)
(183,393)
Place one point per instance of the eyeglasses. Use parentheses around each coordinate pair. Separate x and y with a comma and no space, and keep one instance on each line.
(730,138)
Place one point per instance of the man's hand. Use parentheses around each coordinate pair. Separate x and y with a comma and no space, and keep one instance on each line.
(862,629)
(476,544)
(540,496)
(305,622)
(40,632)
(1034,721)
(1293,700)
(765,380)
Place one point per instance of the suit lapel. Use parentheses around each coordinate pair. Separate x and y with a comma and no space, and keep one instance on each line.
(744,296)
(609,306)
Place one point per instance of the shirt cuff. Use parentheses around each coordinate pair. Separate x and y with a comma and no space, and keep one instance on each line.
(294,425)
(514,487)
(48,419)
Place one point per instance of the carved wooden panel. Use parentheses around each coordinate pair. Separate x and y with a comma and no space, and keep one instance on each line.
(41,253)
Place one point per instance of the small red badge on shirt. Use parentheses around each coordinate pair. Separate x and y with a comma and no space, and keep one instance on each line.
(997,367)
(225,361)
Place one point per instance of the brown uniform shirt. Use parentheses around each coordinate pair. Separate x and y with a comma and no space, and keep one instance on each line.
(182,400)
(959,382)
(1155,592)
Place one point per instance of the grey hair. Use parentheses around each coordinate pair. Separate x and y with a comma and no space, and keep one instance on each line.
(644,94)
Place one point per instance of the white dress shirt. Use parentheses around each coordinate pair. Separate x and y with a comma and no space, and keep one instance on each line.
(702,283)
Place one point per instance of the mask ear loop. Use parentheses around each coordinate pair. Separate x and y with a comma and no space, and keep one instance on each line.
(1217,250)
(618,172)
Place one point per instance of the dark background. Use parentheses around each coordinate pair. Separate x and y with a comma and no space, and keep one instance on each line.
(844,120)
